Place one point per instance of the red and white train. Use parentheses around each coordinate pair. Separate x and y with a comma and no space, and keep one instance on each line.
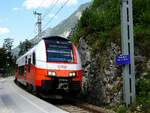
(52,65)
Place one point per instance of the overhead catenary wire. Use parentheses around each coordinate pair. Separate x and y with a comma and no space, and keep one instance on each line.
(54,2)
(55,14)
(46,12)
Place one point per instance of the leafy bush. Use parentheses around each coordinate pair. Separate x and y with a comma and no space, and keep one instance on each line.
(120,109)
(143,94)
(25,46)
(104,15)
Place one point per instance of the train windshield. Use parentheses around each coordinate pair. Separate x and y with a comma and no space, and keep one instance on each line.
(59,50)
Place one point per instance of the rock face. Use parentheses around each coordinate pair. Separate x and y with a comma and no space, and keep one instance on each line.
(102,81)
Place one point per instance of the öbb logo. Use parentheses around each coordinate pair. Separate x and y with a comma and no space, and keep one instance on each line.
(62,66)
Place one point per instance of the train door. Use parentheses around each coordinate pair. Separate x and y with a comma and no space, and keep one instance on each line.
(28,68)
(25,68)
(33,69)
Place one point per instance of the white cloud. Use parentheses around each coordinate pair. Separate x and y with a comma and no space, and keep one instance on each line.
(33,4)
(4,30)
(15,9)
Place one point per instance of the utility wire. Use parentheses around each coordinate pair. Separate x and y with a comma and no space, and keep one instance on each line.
(50,9)
(34,31)
(47,12)
(56,14)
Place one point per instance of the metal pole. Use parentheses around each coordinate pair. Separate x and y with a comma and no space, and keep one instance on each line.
(39,21)
(128,49)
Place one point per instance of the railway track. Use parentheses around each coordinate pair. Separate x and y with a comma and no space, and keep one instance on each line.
(76,106)
(73,109)
(83,108)
(71,105)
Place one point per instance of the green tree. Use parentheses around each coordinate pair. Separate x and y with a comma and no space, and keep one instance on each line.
(3,57)
(8,44)
(24,47)
(7,62)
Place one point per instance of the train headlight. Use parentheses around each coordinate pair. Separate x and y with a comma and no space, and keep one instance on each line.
(72,74)
(52,74)
(49,73)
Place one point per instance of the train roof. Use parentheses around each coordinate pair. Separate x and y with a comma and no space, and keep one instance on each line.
(25,54)
(56,37)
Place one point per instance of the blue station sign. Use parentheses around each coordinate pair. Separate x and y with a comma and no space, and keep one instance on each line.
(122,59)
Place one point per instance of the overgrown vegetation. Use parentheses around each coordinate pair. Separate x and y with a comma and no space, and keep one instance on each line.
(143,93)
(25,46)
(100,25)
(142,104)
(98,22)
(7,63)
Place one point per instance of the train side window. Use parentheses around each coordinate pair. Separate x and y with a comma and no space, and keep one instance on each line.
(21,70)
(26,60)
(16,66)
(33,59)
(29,64)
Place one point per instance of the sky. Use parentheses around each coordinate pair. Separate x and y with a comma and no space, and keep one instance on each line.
(18,22)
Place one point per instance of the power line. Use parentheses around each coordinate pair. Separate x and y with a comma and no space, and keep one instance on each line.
(39,21)
(50,9)
(56,14)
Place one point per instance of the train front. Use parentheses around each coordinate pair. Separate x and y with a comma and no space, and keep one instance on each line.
(63,66)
